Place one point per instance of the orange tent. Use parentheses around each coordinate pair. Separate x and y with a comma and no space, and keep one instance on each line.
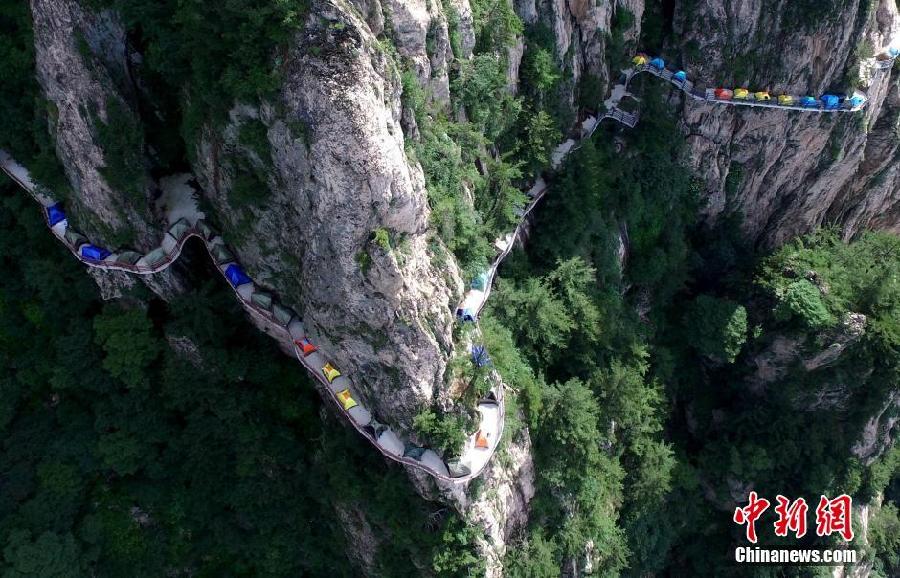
(480,441)
(305,346)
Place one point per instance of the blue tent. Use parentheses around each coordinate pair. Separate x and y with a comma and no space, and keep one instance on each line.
(809,101)
(55,214)
(658,63)
(480,356)
(856,100)
(480,282)
(680,76)
(893,51)
(94,253)
(830,101)
(465,314)
(236,276)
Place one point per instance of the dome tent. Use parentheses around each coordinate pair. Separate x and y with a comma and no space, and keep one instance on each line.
(658,63)
(830,101)
(55,214)
(723,94)
(94,253)
(236,276)
(809,102)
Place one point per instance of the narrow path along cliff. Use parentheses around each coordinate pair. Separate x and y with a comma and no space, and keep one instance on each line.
(185,222)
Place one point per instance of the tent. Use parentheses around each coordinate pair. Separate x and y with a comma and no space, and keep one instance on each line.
(830,101)
(414,452)
(330,372)
(893,51)
(346,400)
(262,299)
(466,314)
(481,441)
(658,63)
(205,230)
(75,238)
(809,101)
(741,93)
(480,282)
(221,254)
(305,345)
(155,257)
(129,257)
(680,76)
(94,253)
(458,469)
(179,229)
(785,99)
(236,276)
(856,101)
(55,214)
(480,356)
(762,95)
(639,60)
(723,94)
(282,314)
(375,429)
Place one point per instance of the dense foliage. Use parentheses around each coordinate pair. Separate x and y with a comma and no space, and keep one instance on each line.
(174,440)
(655,492)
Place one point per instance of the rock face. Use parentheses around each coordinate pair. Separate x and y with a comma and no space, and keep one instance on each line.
(581,29)
(785,172)
(343,233)
(81,67)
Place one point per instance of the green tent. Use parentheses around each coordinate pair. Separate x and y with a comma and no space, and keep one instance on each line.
(75,238)
(179,229)
(282,314)
(155,257)
(262,299)
(221,254)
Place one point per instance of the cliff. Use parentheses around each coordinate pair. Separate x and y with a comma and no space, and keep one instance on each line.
(788,173)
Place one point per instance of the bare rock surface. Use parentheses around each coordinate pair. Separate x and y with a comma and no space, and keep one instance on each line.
(80,58)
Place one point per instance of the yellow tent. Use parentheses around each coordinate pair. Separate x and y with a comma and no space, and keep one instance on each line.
(345,399)
(785,99)
(762,95)
(639,60)
(741,93)
(331,373)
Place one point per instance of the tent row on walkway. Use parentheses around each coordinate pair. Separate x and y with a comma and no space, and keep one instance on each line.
(264,304)
(826,102)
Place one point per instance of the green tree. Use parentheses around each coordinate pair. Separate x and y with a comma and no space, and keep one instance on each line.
(126,337)
(716,327)
(802,301)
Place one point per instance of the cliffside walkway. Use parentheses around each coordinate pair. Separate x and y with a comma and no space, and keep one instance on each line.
(186,222)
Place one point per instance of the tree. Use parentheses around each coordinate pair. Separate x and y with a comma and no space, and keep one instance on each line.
(802,301)
(126,337)
(716,328)
(48,556)
(541,136)
(540,70)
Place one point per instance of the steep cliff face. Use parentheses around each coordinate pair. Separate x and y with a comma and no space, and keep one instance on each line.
(581,30)
(787,173)
(342,232)
(80,61)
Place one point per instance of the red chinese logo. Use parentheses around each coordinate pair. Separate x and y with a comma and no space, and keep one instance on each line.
(831,516)
(791,516)
(834,516)
(750,513)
